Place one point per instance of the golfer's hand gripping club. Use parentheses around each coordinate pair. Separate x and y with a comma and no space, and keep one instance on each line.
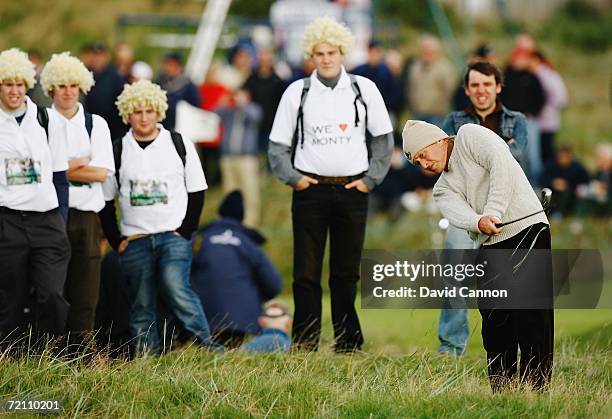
(546,198)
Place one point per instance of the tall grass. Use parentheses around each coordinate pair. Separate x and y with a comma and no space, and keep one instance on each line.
(417,383)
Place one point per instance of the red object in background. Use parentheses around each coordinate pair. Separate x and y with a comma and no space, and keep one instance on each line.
(210,96)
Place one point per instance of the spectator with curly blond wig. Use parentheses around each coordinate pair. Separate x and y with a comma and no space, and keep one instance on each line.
(64,78)
(328,165)
(160,185)
(34,250)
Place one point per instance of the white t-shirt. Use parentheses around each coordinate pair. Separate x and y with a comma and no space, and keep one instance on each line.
(333,146)
(154,184)
(28,160)
(99,150)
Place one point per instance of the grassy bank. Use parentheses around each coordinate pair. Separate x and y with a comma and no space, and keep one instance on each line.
(401,377)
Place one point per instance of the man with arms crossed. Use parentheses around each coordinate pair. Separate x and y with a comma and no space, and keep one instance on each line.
(482,85)
(481,185)
(160,184)
(319,146)
(90,154)
(34,248)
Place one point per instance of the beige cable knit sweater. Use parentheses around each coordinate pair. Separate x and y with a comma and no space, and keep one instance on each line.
(483,178)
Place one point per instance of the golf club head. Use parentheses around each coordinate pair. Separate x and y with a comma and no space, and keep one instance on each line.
(546,198)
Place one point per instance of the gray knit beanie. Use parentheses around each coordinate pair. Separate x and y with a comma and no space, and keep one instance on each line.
(420,134)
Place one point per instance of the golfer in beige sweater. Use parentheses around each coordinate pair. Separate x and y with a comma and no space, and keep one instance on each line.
(481,185)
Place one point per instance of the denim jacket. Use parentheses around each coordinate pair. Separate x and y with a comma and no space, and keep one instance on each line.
(513,125)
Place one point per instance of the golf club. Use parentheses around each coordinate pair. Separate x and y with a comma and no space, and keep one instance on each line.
(546,197)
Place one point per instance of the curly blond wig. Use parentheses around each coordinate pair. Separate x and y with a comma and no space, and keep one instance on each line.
(326,29)
(140,94)
(15,65)
(63,69)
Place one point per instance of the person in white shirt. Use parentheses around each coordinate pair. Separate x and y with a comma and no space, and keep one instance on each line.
(64,78)
(160,184)
(320,145)
(34,247)
(480,185)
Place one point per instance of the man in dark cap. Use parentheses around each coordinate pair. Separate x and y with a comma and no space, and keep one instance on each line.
(231,274)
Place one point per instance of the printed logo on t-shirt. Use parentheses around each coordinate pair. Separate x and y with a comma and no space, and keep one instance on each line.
(148,192)
(79,184)
(330,134)
(22,171)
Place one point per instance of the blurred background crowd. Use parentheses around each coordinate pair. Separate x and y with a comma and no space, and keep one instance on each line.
(422,80)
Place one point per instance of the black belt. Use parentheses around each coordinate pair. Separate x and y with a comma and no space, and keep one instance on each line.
(333,180)
(5,210)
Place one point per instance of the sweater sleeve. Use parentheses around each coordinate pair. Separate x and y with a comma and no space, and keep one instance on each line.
(108,219)
(279,156)
(454,207)
(380,149)
(195,203)
(494,156)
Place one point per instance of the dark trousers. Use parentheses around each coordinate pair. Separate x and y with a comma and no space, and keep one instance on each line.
(505,331)
(34,254)
(317,211)
(547,144)
(83,281)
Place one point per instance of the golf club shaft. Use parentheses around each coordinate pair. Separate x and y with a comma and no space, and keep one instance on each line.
(498,225)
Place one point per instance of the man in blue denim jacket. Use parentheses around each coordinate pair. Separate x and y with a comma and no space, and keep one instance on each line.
(482,84)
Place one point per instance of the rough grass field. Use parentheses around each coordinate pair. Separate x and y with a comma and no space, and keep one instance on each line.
(401,376)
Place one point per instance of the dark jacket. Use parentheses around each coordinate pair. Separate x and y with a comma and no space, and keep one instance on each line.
(266,92)
(177,88)
(522,92)
(382,77)
(575,174)
(512,125)
(232,276)
(101,99)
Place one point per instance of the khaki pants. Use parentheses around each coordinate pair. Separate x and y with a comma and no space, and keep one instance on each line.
(242,172)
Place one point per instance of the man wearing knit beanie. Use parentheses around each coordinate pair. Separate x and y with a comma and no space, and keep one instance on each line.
(232,206)
(481,184)
(231,274)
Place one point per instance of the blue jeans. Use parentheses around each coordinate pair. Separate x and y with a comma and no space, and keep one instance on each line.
(534,153)
(454,327)
(269,340)
(161,263)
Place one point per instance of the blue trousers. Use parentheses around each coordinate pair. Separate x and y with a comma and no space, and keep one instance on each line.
(453,326)
(160,263)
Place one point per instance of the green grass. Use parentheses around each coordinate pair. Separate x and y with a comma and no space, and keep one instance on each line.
(402,376)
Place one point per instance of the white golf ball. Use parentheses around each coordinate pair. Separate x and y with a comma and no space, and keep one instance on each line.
(443,223)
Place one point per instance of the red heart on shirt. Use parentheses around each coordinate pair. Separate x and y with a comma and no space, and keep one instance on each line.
(343,126)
